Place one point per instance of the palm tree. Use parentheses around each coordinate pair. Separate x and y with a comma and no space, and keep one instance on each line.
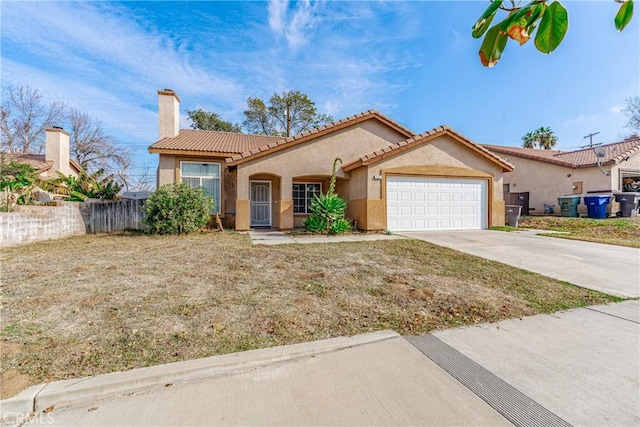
(542,137)
(529,140)
(546,138)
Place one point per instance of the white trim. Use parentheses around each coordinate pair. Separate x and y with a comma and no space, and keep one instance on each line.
(305,192)
(218,203)
(260,181)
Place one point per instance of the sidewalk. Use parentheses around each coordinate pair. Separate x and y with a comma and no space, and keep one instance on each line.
(579,367)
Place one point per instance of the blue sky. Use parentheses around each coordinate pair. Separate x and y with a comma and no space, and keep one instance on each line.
(413,61)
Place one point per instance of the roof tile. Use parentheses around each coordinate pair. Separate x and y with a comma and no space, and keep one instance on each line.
(584,157)
(212,141)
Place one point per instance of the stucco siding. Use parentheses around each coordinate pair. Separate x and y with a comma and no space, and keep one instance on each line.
(443,151)
(166,170)
(315,158)
(546,182)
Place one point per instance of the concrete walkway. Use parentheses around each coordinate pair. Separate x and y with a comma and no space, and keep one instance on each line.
(275,237)
(611,269)
(577,367)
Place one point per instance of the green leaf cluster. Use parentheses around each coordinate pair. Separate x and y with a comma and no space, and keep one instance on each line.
(18,181)
(543,137)
(85,186)
(205,120)
(286,114)
(328,210)
(551,20)
(177,209)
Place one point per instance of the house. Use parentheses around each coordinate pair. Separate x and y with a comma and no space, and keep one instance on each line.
(56,157)
(541,176)
(391,177)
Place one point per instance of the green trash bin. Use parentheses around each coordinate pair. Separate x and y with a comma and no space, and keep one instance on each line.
(569,206)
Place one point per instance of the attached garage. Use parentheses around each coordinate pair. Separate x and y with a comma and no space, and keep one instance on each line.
(419,203)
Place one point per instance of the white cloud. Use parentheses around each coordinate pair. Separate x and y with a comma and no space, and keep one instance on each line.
(615,109)
(296,29)
(277,15)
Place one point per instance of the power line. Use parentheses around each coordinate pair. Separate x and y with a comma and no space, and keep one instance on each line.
(590,136)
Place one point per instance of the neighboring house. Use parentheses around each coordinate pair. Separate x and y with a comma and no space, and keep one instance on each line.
(391,177)
(541,176)
(55,159)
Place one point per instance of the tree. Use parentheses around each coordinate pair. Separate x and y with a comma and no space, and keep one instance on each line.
(632,111)
(529,140)
(205,120)
(95,151)
(23,118)
(25,115)
(543,137)
(287,114)
(552,21)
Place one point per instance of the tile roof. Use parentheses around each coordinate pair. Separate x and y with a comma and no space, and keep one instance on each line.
(421,139)
(37,161)
(586,157)
(317,132)
(203,141)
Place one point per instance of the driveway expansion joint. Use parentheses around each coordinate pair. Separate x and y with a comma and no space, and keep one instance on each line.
(508,401)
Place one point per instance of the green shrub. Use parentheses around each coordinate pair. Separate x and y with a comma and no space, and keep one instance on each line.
(177,209)
(340,226)
(315,224)
(328,210)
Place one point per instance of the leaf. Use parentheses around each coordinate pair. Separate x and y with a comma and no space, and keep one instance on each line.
(515,16)
(518,32)
(552,29)
(624,15)
(492,46)
(485,20)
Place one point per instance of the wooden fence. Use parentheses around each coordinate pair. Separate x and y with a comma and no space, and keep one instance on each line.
(108,217)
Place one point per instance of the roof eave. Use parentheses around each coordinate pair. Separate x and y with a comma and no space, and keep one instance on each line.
(321,131)
(427,137)
(191,153)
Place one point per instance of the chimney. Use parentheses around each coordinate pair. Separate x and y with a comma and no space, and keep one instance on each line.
(57,149)
(168,114)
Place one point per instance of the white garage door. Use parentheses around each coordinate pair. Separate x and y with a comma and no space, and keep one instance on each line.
(422,203)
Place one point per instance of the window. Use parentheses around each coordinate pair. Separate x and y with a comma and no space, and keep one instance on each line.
(205,175)
(303,194)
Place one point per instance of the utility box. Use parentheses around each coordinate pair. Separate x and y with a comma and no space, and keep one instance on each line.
(569,206)
(597,205)
(628,203)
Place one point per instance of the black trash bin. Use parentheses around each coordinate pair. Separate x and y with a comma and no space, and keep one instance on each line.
(628,203)
(513,214)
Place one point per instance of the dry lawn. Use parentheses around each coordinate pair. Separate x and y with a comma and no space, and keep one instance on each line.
(613,231)
(97,304)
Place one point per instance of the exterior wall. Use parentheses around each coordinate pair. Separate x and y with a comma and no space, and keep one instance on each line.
(546,182)
(312,159)
(57,151)
(443,157)
(168,114)
(33,223)
(169,173)
(166,170)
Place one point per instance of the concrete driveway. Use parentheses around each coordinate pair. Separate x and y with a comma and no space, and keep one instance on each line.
(611,269)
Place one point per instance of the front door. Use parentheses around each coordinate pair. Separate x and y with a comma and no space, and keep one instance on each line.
(260,203)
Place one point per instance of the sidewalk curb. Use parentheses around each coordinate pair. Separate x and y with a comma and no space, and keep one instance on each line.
(107,386)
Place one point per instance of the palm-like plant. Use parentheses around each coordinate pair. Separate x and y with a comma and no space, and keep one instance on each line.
(529,140)
(543,137)
(546,138)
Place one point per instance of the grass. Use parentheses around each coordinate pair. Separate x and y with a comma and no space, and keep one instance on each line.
(614,231)
(95,304)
